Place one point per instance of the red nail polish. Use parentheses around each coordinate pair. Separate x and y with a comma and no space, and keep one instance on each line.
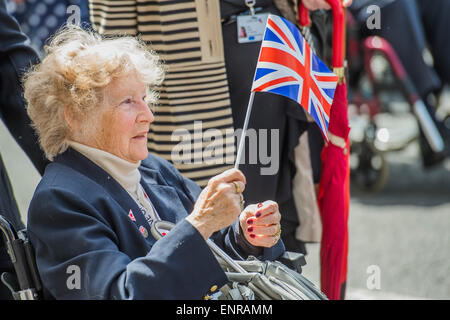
(250,229)
(250,221)
(252,236)
(258,214)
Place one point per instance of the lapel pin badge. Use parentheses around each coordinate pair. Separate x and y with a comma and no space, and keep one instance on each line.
(143,231)
(131,215)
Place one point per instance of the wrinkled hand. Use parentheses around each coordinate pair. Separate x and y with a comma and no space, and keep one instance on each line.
(322,4)
(260,224)
(219,204)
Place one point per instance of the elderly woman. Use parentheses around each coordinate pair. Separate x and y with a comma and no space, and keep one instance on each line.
(89,219)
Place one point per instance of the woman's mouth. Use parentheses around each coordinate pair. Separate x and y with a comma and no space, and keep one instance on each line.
(141,136)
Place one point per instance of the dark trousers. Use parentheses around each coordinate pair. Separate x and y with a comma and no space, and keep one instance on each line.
(410,26)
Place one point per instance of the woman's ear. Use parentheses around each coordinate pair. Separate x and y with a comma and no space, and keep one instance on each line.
(70,119)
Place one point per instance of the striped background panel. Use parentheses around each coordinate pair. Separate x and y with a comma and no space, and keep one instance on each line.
(192,91)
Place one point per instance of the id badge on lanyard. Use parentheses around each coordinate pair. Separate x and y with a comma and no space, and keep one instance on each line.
(250,28)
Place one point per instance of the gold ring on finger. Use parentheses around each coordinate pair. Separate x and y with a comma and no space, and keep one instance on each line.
(278,233)
(277,236)
(236,185)
(242,202)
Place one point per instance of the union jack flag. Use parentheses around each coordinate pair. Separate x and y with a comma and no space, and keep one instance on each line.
(287,66)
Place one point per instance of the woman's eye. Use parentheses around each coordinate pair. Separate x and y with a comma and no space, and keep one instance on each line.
(127,101)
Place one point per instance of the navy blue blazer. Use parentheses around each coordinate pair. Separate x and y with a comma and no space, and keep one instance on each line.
(79,225)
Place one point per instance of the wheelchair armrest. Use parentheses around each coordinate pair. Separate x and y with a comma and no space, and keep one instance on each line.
(293,260)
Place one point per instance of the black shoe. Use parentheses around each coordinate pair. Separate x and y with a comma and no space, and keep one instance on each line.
(446,136)
(429,157)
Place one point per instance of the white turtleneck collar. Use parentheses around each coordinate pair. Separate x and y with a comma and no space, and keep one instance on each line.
(124,172)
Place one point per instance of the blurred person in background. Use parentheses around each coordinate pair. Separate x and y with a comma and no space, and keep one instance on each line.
(16,56)
(274,112)
(271,112)
(412,26)
(39,19)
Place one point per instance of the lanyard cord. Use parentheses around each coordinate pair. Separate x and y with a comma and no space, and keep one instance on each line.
(251,4)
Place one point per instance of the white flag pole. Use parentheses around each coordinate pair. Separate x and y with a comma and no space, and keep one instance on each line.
(249,110)
(244,130)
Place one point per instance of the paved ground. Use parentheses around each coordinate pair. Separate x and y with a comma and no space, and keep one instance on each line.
(403,230)
(405,235)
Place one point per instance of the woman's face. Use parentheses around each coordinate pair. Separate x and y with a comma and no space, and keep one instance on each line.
(125,120)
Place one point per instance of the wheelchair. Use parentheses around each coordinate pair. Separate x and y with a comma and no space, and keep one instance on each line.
(376,78)
(25,282)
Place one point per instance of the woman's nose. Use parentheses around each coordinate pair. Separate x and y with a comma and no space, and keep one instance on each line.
(145,114)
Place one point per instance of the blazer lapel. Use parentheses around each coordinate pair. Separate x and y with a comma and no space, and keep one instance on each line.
(80,163)
(164,198)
